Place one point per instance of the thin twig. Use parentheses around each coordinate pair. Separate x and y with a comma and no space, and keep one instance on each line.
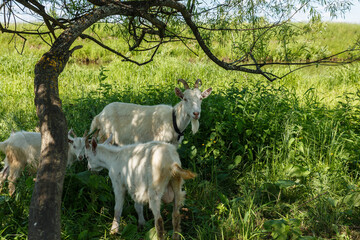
(312,199)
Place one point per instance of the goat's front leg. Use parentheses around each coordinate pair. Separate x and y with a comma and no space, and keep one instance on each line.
(119,191)
(140,212)
(154,204)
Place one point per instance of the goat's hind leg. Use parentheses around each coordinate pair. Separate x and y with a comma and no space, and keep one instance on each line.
(179,196)
(14,174)
(17,161)
(3,176)
(155,204)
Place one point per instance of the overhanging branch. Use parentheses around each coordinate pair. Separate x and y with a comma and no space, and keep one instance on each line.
(83,36)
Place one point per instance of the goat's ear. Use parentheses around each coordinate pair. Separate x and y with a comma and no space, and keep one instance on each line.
(71,131)
(87,141)
(179,93)
(206,93)
(93,144)
(85,133)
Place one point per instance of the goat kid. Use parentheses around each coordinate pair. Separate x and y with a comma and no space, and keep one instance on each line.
(145,171)
(132,123)
(23,148)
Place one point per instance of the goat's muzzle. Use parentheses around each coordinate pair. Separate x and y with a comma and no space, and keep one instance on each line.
(196,115)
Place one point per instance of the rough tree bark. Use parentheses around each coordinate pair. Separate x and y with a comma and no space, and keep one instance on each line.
(45,211)
(44,216)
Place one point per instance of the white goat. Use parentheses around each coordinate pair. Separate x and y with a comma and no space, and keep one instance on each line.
(132,123)
(145,171)
(23,148)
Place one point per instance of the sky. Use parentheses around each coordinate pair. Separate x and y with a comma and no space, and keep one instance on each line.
(353,16)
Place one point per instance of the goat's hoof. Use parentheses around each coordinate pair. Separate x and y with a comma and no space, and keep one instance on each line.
(140,227)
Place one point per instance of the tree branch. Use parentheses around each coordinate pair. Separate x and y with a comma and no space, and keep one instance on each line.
(83,36)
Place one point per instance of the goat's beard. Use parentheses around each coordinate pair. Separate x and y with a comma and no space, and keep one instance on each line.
(194,125)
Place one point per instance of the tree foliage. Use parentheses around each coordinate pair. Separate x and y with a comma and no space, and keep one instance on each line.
(256,27)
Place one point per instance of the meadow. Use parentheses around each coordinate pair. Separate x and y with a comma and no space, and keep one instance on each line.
(274,160)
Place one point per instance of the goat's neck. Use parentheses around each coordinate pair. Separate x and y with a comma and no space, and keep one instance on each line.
(100,157)
(182,118)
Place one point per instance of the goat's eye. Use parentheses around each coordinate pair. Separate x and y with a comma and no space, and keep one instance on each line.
(74,147)
(185,99)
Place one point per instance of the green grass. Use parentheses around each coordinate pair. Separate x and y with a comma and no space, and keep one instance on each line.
(274,160)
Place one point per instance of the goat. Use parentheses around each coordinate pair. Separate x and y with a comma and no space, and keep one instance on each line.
(144,170)
(132,123)
(23,148)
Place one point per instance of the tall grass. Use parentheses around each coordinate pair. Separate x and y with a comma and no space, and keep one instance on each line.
(274,160)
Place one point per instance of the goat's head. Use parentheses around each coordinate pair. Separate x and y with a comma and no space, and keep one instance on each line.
(76,145)
(91,153)
(192,99)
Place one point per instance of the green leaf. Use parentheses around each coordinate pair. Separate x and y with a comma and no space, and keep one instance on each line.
(297,171)
(151,234)
(193,152)
(248,132)
(279,228)
(291,142)
(301,147)
(353,199)
(285,183)
(84,177)
(224,199)
(238,160)
(333,202)
(129,231)
(83,235)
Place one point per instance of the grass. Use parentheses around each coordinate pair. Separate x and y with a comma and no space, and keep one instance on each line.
(274,160)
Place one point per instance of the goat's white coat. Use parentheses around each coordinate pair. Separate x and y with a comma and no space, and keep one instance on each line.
(23,148)
(132,123)
(145,171)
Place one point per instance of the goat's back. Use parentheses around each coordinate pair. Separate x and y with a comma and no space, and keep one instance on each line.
(144,168)
(131,123)
(28,142)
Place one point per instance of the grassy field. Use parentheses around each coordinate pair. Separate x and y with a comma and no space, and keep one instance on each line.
(274,160)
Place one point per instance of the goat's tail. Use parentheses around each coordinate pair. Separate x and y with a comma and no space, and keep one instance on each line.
(176,170)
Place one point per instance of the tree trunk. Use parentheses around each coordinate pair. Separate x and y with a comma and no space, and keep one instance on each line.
(44,216)
(45,206)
